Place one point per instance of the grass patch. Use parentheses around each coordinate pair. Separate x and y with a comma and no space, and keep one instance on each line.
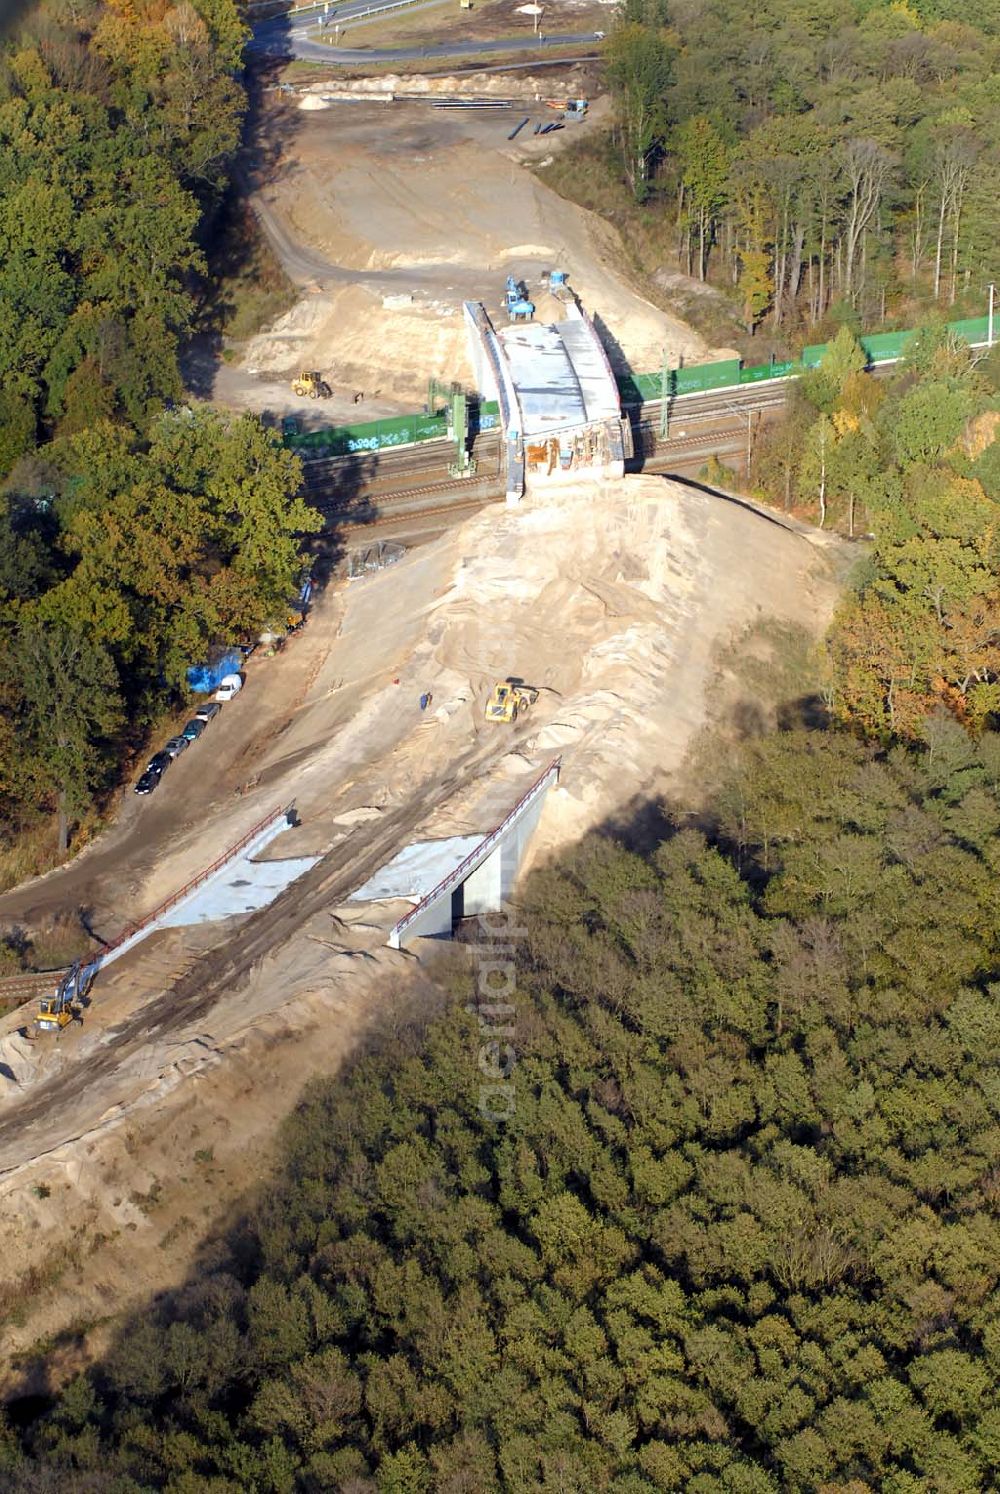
(768,679)
(300,71)
(51,945)
(34,851)
(59,943)
(147,1202)
(777,661)
(182,1226)
(22,1294)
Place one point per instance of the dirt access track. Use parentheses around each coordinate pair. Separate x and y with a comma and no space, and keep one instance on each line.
(122,1141)
(388,215)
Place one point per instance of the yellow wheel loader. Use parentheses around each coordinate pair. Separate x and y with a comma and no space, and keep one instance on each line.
(509,698)
(312,385)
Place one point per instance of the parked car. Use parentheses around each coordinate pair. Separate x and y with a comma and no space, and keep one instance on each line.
(177,745)
(230,686)
(208,710)
(147,782)
(159,762)
(193,730)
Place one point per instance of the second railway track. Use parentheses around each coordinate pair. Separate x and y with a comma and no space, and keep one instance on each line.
(411,484)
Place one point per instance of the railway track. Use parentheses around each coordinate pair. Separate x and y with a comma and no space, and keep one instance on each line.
(408,517)
(367,490)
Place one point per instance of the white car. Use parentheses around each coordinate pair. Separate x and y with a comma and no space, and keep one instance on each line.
(229,685)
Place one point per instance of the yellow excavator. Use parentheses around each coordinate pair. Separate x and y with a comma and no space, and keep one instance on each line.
(509,698)
(58,1011)
(311,384)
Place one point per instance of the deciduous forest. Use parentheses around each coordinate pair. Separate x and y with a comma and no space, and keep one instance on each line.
(738,1230)
(913,462)
(836,159)
(132,534)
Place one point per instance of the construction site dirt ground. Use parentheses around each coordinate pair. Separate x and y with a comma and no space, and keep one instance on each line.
(388,215)
(123,1142)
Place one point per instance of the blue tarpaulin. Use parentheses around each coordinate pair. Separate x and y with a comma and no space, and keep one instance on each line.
(204,678)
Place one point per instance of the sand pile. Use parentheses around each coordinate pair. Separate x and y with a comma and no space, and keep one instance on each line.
(613,599)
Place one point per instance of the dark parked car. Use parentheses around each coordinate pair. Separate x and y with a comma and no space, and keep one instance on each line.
(147,782)
(193,730)
(207,712)
(159,762)
(177,745)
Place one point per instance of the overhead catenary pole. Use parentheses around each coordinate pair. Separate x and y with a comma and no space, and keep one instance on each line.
(989,319)
(664,397)
(464,464)
(749,415)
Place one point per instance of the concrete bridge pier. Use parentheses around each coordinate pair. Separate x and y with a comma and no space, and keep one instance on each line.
(489,886)
(484,879)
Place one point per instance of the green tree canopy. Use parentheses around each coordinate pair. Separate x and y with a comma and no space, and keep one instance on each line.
(736,1231)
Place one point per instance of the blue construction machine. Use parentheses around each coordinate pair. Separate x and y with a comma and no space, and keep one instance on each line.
(516,303)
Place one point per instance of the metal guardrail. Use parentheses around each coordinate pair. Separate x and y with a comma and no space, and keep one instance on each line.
(189,886)
(270,10)
(377,10)
(477,855)
(277,8)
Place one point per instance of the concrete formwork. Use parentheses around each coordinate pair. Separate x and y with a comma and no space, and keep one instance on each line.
(493,379)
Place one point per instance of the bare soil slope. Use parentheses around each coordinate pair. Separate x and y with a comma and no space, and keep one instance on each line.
(123,1140)
(391,215)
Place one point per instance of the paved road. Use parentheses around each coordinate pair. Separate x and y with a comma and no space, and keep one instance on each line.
(288,38)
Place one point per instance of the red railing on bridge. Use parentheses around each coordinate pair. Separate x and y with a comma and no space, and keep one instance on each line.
(478,854)
(196,881)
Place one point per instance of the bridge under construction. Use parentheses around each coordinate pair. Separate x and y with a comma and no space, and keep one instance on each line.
(533,421)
